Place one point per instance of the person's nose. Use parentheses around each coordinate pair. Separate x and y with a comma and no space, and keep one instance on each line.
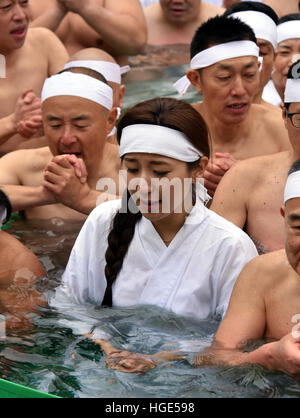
(18,13)
(238,88)
(68,138)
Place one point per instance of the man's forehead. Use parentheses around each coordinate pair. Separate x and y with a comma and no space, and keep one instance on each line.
(294,108)
(235,63)
(293,209)
(71,104)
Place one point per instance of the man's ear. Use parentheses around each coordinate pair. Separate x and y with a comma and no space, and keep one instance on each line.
(199,170)
(111,120)
(121,95)
(195,79)
(282,211)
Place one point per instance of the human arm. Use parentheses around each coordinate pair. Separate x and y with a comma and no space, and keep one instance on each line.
(51,18)
(230,199)
(19,297)
(66,179)
(215,170)
(122,24)
(26,119)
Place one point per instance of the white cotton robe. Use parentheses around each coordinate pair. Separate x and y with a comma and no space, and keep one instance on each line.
(193,276)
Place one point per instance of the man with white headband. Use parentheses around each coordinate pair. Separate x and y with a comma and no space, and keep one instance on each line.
(265,301)
(27,57)
(288,52)
(102,62)
(127,246)
(18,296)
(250,194)
(115,26)
(224,69)
(60,180)
(263,20)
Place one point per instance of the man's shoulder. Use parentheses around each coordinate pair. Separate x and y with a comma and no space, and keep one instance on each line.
(40,37)
(271,267)
(211,10)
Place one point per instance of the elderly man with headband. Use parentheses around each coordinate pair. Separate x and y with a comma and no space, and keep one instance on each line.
(288,51)
(265,301)
(103,63)
(249,195)
(60,180)
(126,246)
(263,20)
(225,70)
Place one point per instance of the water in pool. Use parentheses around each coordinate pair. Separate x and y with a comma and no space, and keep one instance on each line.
(49,357)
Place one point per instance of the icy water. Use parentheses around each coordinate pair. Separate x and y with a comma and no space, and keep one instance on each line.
(50,358)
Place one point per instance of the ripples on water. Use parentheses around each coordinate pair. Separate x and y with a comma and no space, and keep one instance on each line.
(51,359)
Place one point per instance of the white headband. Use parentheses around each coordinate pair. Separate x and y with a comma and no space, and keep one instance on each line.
(111,71)
(216,54)
(292,187)
(79,85)
(288,30)
(292,91)
(155,139)
(262,25)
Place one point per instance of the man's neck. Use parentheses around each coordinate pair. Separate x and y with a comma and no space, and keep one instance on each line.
(224,133)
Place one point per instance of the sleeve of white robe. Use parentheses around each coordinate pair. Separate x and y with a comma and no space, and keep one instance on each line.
(230,262)
(84,282)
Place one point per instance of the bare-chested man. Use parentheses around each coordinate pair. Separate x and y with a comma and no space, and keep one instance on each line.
(288,51)
(228,80)
(115,26)
(265,301)
(263,20)
(176,21)
(250,194)
(31,56)
(283,8)
(60,180)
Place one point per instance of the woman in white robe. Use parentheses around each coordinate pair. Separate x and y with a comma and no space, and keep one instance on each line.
(186,259)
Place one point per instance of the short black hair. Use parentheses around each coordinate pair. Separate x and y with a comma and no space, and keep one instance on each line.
(253,6)
(293,75)
(5,202)
(85,71)
(220,30)
(294,168)
(288,18)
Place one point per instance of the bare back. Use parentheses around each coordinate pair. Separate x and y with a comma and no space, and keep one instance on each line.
(251,194)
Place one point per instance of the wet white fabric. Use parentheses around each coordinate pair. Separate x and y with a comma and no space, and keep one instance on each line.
(271,95)
(292,91)
(292,187)
(79,85)
(263,26)
(155,139)
(288,30)
(216,54)
(110,71)
(192,277)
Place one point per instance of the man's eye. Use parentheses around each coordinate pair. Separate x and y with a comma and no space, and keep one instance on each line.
(132,170)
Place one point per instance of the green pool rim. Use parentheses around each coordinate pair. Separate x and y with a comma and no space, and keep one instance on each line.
(13,390)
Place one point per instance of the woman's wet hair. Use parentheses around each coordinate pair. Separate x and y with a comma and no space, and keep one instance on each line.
(293,74)
(166,112)
(219,30)
(252,6)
